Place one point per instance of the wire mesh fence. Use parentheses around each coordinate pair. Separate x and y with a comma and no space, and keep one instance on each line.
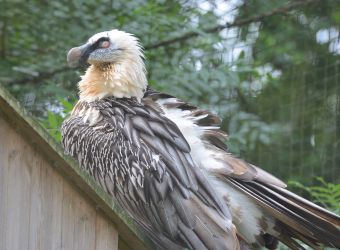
(305,106)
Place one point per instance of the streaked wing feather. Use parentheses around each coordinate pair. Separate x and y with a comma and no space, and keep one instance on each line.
(319,211)
(142,159)
(305,225)
(213,137)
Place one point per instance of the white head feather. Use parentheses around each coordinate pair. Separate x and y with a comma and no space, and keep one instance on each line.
(117,70)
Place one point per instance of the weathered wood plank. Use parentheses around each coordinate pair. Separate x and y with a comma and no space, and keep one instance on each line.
(106,235)
(38,137)
(85,227)
(39,210)
(68,217)
(35,213)
(57,184)
(47,209)
(45,205)
(18,192)
(3,182)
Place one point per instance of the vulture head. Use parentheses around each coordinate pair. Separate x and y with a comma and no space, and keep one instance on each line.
(116,66)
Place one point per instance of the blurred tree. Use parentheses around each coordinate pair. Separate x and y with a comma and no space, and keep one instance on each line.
(300,51)
(269,68)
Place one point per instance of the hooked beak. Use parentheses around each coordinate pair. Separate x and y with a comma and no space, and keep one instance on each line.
(78,56)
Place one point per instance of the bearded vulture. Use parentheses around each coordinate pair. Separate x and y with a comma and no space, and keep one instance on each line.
(164,161)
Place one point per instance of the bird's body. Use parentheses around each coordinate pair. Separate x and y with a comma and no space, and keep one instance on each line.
(164,161)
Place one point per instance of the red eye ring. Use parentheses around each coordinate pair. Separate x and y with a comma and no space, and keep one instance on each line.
(105,44)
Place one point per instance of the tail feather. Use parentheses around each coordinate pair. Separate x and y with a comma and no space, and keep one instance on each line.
(315,220)
(299,218)
(321,212)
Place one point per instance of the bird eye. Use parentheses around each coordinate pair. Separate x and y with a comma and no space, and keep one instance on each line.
(105,44)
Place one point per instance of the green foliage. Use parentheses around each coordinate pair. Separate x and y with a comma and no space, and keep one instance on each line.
(325,194)
(55,118)
(274,83)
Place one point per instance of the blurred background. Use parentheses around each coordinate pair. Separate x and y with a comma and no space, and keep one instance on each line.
(270,69)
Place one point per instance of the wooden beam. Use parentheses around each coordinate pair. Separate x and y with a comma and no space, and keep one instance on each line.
(43,143)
